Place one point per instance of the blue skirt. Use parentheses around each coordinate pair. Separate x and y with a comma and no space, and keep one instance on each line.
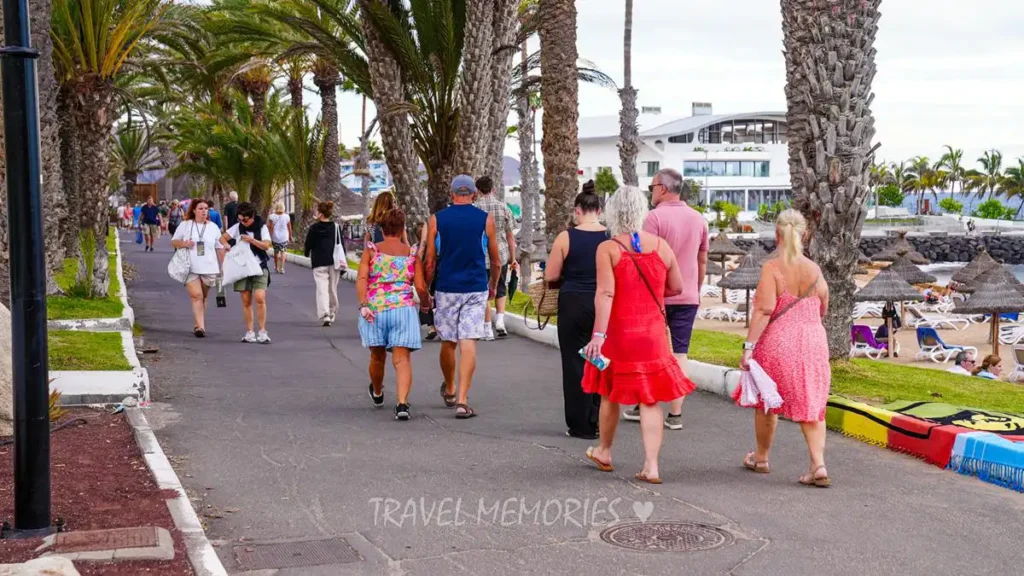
(395,328)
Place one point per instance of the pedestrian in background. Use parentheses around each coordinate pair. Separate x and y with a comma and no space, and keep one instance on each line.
(991,368)
(787,340)
(280,225)
(503,221)
(199,236)
(463,286)
(175,216)
(321,238)
(150,214)
(252,290)
(388,320)
(686,232)
(231,210)
(636,271)
(573,265)
(382,204)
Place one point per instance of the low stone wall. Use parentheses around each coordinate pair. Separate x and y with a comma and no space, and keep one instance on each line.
(1008,249)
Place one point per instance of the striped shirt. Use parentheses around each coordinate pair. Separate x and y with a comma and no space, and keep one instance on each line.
(503,222)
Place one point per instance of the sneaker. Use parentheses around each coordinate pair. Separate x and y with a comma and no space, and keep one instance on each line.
(378,401)
(249,337)
(500,331)
(326,321)
(432,335)
(401,411)
(633,414)
(674,421)
(488,333)
(263,338)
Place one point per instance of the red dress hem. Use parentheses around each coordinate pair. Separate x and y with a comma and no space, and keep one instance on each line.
(644,383)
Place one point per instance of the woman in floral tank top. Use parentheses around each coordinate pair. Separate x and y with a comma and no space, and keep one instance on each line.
(388,318)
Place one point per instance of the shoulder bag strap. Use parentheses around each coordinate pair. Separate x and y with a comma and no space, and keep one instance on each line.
(805,294)
(644,278)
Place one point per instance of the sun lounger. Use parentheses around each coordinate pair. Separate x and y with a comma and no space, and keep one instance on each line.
(920,320)
(1018,364)
(708,290)
(863,342)
(869,309)
(934,349)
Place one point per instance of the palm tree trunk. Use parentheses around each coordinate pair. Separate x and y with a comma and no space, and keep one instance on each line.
(830,65)
(388,95)
(560,97)
(295,92)
(628,131)
(329,184)
(69,160)
(505,18)
(94,119)
(367,198)
(476,93)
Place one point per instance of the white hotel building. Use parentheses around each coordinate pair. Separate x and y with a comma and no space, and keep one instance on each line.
(739,158)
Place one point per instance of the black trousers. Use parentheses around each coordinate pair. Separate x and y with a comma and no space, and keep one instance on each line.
(575,327)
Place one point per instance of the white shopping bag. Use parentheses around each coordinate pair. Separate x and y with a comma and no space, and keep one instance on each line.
(340,257)
(240,263)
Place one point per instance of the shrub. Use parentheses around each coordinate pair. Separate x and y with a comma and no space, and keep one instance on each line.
(890,195)
(951,206)
(993,209)
(605,182)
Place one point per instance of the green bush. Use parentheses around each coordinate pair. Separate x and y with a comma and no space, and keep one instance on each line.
(951,206)
(769,212)
(605,182)
(890,195)
(993,209)
(727,213)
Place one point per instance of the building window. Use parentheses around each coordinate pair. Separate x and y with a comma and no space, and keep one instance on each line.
(756,169)
(682,139)
(652,168)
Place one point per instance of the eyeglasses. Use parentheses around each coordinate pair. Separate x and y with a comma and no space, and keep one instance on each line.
(653,186)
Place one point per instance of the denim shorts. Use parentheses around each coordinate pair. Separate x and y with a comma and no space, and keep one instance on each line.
(394,328)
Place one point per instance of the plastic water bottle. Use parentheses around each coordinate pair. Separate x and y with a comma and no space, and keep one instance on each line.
(601,362)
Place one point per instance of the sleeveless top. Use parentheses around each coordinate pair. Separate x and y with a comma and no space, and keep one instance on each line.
(390,282)
(461,267)
(579,272)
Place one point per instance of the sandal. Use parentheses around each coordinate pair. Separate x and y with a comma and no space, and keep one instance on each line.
(199,332)
(812,480)
(642,476)
(602,466)
(466,411)
(449,401)
(753,465)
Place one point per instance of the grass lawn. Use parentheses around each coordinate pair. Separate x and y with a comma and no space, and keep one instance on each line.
(72,307)
(70,350)
(870,381)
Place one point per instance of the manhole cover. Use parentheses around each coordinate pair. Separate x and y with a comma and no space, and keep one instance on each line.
(665,536)
(295,554)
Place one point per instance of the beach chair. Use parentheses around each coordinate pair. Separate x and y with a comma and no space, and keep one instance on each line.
(709,290)
(870,309)
(921,320)
(933,348)
(863,342)
(1018,365)
(1010,334)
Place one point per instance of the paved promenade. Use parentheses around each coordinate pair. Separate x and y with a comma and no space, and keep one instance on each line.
(280,443)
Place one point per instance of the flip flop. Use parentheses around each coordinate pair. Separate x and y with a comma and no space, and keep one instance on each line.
(811,480)
(449,401)
(602,466)
(754,466)
(467,412)
(641,476)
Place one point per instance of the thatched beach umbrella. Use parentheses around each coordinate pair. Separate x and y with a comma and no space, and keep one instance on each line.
(997,275)
(888,286)
(979,265)
(893,252)
(994,299)
(745,277)
(912,274)
(713,269)
(721,247)
(759,253)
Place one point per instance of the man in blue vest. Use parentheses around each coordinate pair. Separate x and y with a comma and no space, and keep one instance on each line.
(461,232)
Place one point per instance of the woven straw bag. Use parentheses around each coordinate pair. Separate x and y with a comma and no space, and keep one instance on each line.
(545,302)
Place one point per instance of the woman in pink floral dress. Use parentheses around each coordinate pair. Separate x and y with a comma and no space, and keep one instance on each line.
(787,339)
(388,318)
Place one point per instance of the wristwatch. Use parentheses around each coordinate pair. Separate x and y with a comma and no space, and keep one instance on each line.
(748,346)
(600,335)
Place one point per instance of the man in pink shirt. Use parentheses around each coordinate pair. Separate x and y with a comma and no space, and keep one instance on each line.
(686,231)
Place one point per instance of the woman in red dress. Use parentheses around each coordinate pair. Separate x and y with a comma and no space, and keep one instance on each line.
(787,339)
(635,271)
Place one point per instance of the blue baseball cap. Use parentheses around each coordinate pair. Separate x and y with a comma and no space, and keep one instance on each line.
(463,185)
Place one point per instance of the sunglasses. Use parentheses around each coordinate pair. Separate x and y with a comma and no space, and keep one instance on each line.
(652,187)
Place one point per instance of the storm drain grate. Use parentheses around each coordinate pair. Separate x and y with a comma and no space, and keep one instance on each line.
(666,536)
(296,554)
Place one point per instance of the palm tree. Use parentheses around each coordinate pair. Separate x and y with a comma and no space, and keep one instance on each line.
(919,179)
(560,97)
(133,154)
(298,148)
(830,65)
(475,94)
(899,175)
(1012,184)
(985,182)
(504,46)
(879,176)
(55,212)
(628,131)
(952,161)
(93,39)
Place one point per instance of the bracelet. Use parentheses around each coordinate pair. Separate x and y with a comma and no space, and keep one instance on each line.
(601,335)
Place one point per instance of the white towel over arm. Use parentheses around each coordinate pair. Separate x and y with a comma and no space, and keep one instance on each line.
(757,387)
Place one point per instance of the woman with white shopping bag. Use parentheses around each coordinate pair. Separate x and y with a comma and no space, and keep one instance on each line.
(196,242)
(326,253)
(786,351)
(252,288)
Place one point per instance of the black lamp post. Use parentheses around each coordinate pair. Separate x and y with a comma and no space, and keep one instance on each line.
(28,276)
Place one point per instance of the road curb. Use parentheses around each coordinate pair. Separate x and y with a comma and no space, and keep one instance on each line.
(201,554)
(303,261)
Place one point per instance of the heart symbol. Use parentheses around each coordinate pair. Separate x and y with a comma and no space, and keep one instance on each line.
(643,511)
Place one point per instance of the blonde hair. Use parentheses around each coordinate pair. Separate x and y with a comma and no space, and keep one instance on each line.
(626,210)
(384,203)
(279,208)
(790,226)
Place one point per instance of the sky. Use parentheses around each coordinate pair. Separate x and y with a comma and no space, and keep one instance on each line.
(949,72)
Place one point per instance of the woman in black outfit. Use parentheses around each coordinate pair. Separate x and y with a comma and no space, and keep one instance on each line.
(573,262)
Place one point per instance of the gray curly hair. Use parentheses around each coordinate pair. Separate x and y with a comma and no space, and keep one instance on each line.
(626,210)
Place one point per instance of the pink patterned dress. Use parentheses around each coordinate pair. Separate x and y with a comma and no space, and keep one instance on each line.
(793,351)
